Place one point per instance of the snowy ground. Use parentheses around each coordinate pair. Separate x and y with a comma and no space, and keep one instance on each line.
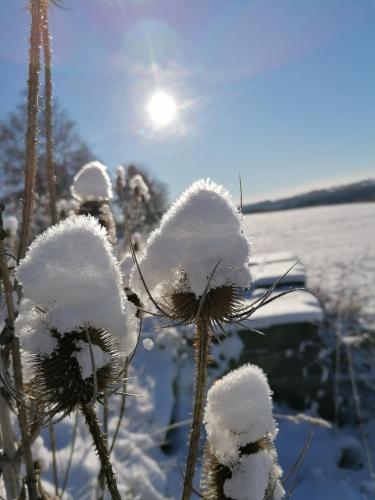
(337,247)
(335,243)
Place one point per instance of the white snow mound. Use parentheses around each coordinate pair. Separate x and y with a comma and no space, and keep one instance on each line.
(92,182)
(250,477)
(203,227)
(71,272)
(238,412)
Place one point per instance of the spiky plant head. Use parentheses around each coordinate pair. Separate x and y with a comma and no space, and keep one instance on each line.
(213,307)
(199,246)
(83,361)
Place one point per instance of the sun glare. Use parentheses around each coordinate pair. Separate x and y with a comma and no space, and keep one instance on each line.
(162,109)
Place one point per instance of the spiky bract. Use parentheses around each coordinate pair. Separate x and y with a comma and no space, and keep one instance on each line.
(215,307)
(58,383)
(215,474)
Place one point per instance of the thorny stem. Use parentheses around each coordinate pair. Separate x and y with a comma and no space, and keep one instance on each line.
(52,436)
(122,408)
(92,422)
(72,446)
(10,472)
(7,443)
(32,127)
(202,341)
(48,113)
(17,369)
(101,476)
(23,420)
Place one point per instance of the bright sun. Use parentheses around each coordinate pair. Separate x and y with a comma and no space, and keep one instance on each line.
(161,108)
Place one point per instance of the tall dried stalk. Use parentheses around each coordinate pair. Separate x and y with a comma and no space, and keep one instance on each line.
(7,443)
(11,475)
(28,201)
(52,437)
(16,358)
(48,113)
(101,448)
(32,126)
(201,344)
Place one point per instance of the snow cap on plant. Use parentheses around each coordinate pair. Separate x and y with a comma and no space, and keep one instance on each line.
(92,182)
(241,460)
(200,243)
(76,316)
(139,188)
(121,178)
(92,187)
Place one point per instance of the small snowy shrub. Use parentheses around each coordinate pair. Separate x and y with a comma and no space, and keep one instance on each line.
(241,460)
(92,188)
(76,316)
(194,264)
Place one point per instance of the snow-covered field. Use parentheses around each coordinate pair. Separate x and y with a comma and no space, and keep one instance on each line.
(335,243)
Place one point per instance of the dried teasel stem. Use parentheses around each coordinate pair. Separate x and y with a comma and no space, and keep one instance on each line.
(31,480)
(7,433)
(52,436)
(32,126)
(7,443)
(101,448)
(48,112)
(101,475)
(201,344)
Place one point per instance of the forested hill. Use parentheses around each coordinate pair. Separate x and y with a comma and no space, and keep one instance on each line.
(349,193)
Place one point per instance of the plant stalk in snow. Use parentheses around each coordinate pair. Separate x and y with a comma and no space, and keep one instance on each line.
(201,345)
(101,448)
(48,113)
(32,126)
(22,415)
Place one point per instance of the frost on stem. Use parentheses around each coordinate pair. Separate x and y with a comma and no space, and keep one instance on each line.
(92,188)
(72,283)
(241,459)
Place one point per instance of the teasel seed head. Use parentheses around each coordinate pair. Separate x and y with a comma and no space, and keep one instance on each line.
(64,379)
(101,211)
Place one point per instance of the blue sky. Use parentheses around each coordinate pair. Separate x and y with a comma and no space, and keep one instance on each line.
(282,91)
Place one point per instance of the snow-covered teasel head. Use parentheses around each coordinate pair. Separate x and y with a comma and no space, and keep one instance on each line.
(91,183)
(75,298)
(139,187)
(238,412)
(121,177)
(200,241)
(241,460)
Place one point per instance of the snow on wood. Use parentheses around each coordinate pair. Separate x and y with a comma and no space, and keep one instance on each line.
(296,307)
(266,274)
(271,257)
